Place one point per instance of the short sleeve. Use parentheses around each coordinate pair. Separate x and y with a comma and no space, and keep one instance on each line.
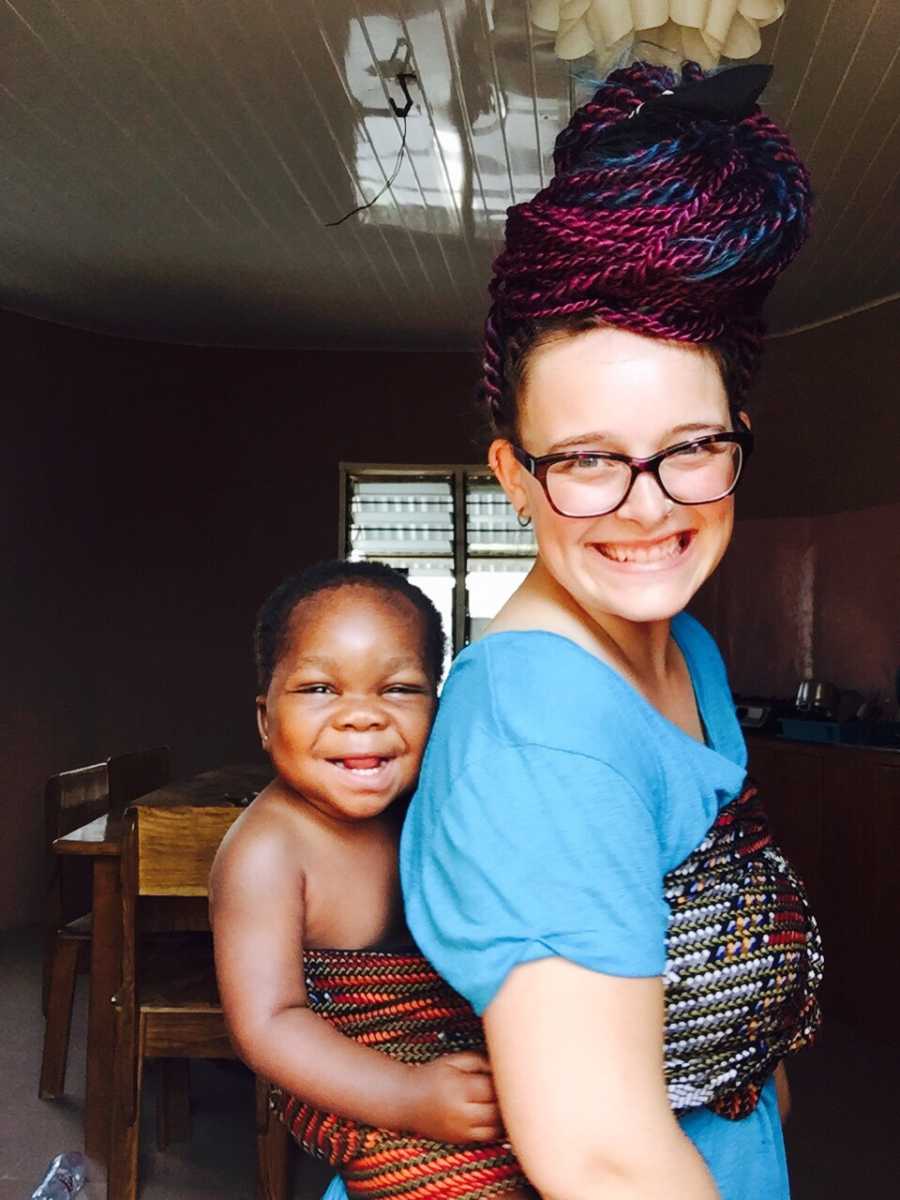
(533,852)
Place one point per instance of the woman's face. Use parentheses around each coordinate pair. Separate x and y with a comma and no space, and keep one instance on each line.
(609,389)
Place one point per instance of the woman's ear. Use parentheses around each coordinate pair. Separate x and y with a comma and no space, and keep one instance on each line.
(509,473)
(262,721)
(744,419)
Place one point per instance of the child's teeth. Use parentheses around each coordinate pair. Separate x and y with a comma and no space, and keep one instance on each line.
(362,766)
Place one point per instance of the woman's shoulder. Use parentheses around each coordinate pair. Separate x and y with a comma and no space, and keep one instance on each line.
(540,689)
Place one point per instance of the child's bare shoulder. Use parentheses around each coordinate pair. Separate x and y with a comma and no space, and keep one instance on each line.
(268,844)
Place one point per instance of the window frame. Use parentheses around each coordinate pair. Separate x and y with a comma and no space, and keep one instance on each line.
(459,474)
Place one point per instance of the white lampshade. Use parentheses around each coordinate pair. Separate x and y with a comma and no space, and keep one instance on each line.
(702,30)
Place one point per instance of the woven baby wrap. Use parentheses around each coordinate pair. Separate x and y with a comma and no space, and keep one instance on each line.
(744,961)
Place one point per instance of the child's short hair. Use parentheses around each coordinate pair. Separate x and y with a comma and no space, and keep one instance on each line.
(274,616)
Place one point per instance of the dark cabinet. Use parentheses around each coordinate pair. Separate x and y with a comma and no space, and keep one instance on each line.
(835,811)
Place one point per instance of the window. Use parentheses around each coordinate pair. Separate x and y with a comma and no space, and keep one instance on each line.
(450,529)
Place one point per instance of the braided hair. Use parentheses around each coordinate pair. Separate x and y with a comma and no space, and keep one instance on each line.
(674,227)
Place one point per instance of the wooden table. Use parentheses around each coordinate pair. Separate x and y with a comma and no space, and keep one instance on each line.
(101,841)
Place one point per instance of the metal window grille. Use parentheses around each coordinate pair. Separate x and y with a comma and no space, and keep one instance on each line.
(450,529)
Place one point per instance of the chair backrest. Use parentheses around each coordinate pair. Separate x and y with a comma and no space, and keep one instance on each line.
(134,775)
(175,847)
(71,799)
(165,852)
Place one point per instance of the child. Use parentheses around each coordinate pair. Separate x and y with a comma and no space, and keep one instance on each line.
(349,656)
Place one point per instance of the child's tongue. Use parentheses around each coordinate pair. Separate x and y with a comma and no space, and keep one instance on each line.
(361,763)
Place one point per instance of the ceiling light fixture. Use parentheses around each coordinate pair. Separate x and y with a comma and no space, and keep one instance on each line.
(662,31)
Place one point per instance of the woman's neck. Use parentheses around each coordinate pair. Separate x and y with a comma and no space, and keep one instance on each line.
(641,651)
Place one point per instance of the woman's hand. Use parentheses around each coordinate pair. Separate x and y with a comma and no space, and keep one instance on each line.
(453,1100)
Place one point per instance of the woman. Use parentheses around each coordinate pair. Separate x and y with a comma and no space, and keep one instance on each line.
(587,745)
(583,859)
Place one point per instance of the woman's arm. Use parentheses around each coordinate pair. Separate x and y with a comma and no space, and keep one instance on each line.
(578,1066)
(783,1092)
(256,905)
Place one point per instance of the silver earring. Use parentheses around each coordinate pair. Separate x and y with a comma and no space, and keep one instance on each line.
(524,519)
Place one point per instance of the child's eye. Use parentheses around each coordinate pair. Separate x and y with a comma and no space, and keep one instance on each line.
(407,689)
(314,689)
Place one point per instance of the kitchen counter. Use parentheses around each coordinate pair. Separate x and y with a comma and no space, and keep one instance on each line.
(757,735)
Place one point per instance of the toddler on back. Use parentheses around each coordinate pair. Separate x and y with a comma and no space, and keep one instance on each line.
(349,657)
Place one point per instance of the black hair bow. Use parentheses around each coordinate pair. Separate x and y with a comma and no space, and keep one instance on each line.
(729,96)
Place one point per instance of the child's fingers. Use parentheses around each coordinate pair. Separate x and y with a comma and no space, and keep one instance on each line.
(488,1131)
(469,1060)
(479,1089)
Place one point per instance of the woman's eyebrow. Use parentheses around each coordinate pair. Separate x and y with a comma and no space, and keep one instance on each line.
(578,440)
(699,427)
(581,439)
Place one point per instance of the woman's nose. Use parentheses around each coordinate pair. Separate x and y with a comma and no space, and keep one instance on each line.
(647,503)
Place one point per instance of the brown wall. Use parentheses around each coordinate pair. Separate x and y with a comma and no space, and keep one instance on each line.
(154,493)
(827,417)
(811,584)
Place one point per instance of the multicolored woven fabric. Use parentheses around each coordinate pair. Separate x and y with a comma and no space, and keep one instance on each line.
(743,967)
(396,1003)
(744,962)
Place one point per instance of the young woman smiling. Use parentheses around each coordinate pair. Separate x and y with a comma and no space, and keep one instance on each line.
(584,859)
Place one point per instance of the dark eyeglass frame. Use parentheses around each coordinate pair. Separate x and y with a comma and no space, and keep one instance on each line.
(538,467)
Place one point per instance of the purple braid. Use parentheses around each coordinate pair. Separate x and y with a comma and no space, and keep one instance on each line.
(680,239)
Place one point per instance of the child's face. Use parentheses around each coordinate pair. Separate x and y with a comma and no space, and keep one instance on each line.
(347,714)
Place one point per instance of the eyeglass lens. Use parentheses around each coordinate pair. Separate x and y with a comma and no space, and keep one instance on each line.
(590,486)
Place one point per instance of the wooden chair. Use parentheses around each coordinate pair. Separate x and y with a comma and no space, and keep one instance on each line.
(168,1004)
(72,799)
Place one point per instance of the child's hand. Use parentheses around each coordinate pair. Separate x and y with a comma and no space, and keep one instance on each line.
(454,1100)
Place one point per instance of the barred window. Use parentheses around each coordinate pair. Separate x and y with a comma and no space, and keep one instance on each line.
(449,529)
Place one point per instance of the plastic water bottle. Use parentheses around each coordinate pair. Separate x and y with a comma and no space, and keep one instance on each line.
(65,1177)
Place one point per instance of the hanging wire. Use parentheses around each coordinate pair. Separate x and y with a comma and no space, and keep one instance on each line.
(403,115)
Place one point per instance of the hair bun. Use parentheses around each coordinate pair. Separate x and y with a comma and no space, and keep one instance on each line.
(675,224)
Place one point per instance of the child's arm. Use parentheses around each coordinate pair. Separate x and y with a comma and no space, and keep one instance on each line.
(256,905)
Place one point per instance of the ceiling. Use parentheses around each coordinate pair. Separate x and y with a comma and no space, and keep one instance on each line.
(170,168)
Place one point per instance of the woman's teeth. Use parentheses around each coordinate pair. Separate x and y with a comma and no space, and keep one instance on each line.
(657,552)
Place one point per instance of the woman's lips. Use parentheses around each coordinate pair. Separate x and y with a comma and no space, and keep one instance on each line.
(656,554)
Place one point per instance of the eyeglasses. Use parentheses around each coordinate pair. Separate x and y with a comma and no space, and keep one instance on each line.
(592,483)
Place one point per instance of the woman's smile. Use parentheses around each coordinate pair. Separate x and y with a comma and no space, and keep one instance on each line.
(647,555)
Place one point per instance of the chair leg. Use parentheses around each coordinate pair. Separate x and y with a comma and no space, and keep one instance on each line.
(173,1108)
(124,1142)
(63,969)
(273,1149)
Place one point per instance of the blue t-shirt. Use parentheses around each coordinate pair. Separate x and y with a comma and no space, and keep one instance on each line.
(552,801)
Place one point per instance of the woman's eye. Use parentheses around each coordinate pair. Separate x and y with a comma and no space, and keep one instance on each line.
(587,464)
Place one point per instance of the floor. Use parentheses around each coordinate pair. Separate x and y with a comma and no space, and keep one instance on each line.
(840,1137)
(219,1162)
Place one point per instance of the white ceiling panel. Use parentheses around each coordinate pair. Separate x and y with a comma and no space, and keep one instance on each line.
(175,170)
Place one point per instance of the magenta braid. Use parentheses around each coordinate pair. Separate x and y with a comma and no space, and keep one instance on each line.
(679,235)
